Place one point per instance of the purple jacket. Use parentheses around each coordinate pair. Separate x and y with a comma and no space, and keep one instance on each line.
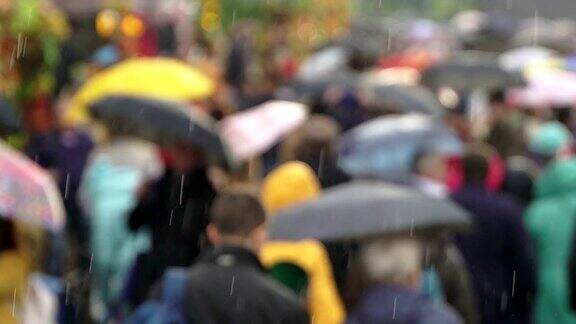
(394,304)
(498,255)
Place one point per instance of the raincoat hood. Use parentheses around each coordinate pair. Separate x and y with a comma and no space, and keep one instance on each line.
(558,179)
(290,184)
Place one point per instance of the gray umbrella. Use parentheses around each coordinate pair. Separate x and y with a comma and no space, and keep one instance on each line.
(469,72)
(364,209)
(163,122)
(403,99)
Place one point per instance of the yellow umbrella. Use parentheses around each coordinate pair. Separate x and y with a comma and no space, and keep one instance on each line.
(158,78)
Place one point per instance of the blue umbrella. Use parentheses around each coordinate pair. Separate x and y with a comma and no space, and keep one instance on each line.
(384,148)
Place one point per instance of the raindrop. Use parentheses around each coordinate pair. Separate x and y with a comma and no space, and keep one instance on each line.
(181,189)
(513,282)
(12,59)
(536,27)
(171,215)
(321,163)
(394,310)
(19,48)
(29,16)
(91,260)
(232,285)
(67,184)
(14,303)
(380,4)
(25,45)
(234,17)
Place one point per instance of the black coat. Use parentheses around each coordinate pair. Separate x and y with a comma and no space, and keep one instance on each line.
(176,212)
(229,285)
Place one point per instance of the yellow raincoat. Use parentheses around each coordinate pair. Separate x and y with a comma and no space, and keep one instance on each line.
(290,184)
(15,267)
(323,299)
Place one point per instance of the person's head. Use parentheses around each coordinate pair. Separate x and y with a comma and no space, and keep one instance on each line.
(184,158)
(475,164)
(291,183)
(238,218)
(315,137)
(395,261)
(430,165)
(498,105)
(550,141)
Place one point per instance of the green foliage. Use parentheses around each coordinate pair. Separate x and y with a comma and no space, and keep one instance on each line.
(433,9)
(259,10)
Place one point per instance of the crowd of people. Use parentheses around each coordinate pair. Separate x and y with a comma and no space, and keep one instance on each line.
(407,125)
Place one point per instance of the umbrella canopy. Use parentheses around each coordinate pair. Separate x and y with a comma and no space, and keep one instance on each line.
(27,192)
(9,120)
(309,91)
(546,88)
(403,99)
(518,59)
(252,132)
(323,64)
(365,209)
(163,122)
(160,78)
(385,147)
(416,58)
(469,73)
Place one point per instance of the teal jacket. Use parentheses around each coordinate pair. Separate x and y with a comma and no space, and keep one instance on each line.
(108,195)
(551,220)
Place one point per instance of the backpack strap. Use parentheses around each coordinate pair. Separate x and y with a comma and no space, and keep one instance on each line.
(174,286)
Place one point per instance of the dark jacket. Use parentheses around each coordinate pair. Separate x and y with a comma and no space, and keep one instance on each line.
(498,255)
(228,285)
(176,211)
(393,304)
(455,278)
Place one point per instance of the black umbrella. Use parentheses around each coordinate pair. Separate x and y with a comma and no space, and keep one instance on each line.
(9,119)
(402,99)
(364,209)
(163,122)
(469,73)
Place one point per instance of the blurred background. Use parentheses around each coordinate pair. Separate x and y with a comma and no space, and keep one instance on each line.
(121,121)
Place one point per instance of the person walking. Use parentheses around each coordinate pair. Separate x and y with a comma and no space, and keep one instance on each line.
(497,252)
(391,270)
(551,220)
(228,284)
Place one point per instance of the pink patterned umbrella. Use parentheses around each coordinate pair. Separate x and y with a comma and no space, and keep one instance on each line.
(550,87)
(27,192)
(252,132)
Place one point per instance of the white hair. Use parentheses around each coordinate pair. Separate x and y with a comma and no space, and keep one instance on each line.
(392,261)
